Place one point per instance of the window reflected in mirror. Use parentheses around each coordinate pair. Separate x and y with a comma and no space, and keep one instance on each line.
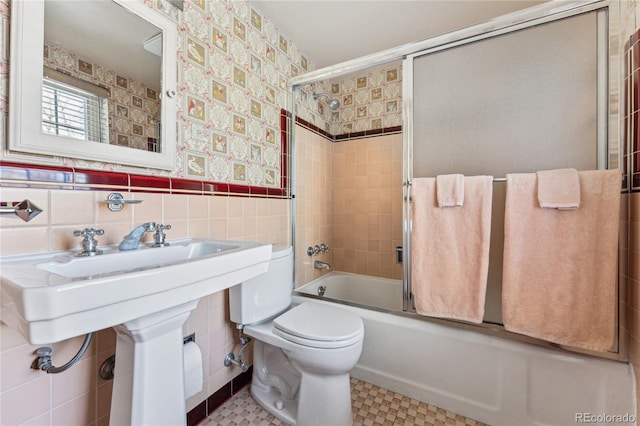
(71,111)
(101,83)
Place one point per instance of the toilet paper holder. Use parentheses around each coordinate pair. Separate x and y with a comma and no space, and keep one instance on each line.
(188,339)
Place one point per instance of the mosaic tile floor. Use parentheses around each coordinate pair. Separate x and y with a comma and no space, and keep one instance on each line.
(371,404)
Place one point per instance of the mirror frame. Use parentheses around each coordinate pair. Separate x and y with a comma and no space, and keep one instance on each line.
(25,95)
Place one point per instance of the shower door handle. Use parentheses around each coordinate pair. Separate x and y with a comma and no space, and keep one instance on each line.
(398,254)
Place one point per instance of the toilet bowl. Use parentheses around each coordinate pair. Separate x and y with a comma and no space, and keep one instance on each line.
(302,354)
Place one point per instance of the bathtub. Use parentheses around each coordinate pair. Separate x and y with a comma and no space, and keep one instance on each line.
(492,379)
(364,290)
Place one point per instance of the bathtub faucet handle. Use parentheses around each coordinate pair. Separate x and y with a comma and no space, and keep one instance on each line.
(324,248)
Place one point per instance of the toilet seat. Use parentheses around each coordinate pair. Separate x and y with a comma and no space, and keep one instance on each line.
(319,326)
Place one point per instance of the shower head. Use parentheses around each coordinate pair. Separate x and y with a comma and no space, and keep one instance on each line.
(334,104)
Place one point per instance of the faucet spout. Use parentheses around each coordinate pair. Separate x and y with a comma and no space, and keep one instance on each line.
(131,241)
(321,265)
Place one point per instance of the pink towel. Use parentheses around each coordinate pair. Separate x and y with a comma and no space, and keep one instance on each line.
(559,189)
(560,266)
(450,250)
(450,190)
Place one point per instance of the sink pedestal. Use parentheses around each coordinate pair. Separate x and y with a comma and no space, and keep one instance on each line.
(148,386)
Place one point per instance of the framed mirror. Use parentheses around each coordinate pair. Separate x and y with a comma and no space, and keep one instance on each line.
(93,80)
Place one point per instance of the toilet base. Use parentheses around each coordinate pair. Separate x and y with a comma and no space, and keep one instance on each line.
(322,400)
(301,385)
(269,399)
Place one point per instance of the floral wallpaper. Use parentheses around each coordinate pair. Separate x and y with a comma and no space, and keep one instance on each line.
(371,100)
(234,67)
(134,108)
(368,100)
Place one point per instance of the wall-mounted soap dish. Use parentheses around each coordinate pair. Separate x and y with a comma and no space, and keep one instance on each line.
(115,202)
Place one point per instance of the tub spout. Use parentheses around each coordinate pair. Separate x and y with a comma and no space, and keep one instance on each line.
(321,265)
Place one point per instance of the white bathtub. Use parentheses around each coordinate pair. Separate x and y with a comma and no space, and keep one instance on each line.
(365,290)
(492,379)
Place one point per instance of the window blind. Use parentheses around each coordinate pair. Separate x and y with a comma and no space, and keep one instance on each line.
(72,112)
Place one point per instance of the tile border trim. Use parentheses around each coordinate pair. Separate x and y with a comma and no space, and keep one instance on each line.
(27,175)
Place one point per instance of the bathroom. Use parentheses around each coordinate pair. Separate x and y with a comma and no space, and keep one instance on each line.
(239,198)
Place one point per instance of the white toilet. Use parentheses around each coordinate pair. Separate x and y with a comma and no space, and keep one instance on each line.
(302,355)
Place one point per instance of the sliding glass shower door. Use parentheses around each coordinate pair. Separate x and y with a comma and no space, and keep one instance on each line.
(532,97)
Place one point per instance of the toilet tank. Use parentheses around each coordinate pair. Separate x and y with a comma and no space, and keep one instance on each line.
(266,295)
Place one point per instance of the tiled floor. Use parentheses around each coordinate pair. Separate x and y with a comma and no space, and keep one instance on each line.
(371,404)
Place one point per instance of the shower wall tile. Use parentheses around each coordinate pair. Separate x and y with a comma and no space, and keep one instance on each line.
(367,184)
(313,210)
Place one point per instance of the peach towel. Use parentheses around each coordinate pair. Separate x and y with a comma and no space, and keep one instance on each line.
(450,190)
(560,266)
(450,250)
(559,189)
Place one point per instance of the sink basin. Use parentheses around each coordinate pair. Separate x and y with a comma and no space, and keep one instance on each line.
(119,262)
(55,296)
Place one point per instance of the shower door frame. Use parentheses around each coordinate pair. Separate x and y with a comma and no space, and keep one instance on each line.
(603,160)
(608,123)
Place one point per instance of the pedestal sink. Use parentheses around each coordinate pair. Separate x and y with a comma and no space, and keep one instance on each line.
(146,294)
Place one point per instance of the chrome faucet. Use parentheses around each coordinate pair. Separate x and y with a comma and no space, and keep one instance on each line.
(131,241)
(321,265)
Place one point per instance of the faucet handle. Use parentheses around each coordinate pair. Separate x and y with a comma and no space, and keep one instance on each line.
(88,233)
(160,236)
(89,243)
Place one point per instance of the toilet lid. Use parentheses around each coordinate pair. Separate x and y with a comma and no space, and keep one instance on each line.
(320,326)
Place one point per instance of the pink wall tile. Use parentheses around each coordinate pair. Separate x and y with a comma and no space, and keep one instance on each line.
(150,210)
(12,376)
(79,411)
(175,207)
(198,208)
(23,240)
(69,386)
(71,207)
(25,402)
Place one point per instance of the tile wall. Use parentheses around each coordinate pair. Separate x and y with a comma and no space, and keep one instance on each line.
(79,396)
(313,189)
(349,196)
(367,205)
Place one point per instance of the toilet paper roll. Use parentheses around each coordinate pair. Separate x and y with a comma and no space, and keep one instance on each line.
(192,357)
